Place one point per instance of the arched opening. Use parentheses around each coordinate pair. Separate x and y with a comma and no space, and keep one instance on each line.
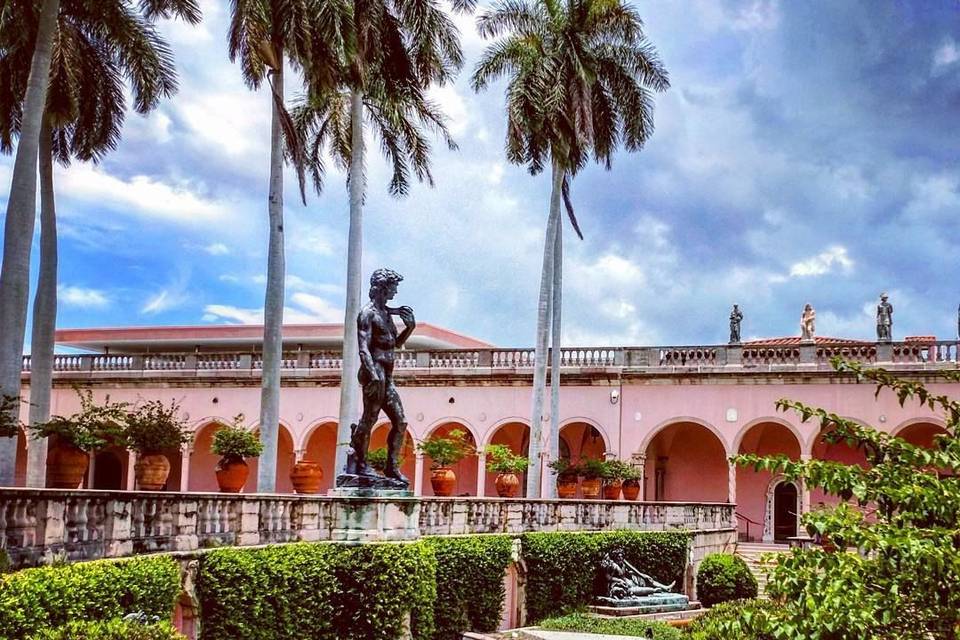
(686,462)
(408,457)
(203,462)
(786,510)
(753,503)
(465,469)
(838,452)
(285,461)
(921,434)
(20,470)
(515,435)
(321,447)
(110,469)
(582,441)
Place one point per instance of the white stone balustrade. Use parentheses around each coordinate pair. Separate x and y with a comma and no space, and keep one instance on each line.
(37,525)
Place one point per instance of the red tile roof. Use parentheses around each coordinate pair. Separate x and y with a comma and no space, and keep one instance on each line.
(794,341)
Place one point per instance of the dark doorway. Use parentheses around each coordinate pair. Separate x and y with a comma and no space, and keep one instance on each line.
(784,511)
(108,471)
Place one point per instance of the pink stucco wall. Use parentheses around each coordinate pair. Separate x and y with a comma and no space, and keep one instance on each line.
(695,422)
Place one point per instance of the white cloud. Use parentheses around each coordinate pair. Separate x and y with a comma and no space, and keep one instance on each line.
(162,301)
(235,122)
(933,195)
(305,309)
(823,263)
(946,54)
(81,297)
(314,308)
(217,249)
(316,240)
(453,106)
(141,195)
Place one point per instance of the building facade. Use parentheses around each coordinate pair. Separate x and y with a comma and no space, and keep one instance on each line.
(677,412)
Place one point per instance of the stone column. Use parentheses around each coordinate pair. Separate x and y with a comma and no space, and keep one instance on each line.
(731,483)
(418,475)
(91,469)
(131,471)
(481,474)
(804,490)
(185,468)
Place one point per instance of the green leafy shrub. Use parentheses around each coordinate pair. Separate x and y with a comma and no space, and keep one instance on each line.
(153,427)
(444,451)
(723,577)
(563,568)
(93,427)
(470,589)
(731,620)
(591,468)
(502,459)
(317,590)
(612,626)
(235,442)
(377,458)
(116,629)
(33,600)
(563,468)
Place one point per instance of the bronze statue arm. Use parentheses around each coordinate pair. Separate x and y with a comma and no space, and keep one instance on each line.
(364,331)
(410,323)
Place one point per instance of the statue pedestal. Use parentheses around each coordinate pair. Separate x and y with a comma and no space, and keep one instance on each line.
(372,515)
(657,603)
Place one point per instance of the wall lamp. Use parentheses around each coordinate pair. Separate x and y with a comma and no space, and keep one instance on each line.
(614,396)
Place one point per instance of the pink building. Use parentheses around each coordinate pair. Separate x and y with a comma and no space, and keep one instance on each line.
(679,412)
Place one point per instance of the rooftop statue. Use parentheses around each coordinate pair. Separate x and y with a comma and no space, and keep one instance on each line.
(808,323)
(377,338)
(884,319)
(736,316)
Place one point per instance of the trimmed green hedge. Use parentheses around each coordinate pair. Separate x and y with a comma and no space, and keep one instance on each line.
(318,591)
(612,626)
(470,589)
(33,600)
(111,630)
(563,568)
(723,577)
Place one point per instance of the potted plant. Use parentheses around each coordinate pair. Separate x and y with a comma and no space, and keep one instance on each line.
(377,458)
(233,443)
(631,482)
(152,428)
(93,427)
(613,476)
(592,471)
(306,476)
(506,464)
(567,474)
(443,452)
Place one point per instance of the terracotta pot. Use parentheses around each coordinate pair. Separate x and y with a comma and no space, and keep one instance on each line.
(67,466)
(443,481)
(611,490)
(307,477)
(508,484)
(567,487)
(631,489)
(232,474)
(590,488)
(152,470)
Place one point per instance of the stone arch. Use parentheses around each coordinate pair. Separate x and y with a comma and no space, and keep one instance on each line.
(495,427)
(469,428)
(813,438)
(313,426)
(577,432)
(686,461)
(769,531)
(465,470)
(110,468)
(604,436)
(761,437)
(514,433)
(285,460)
(801,439)
(645,443)
(320,445)
(203,462)
(839,452)
(920,431)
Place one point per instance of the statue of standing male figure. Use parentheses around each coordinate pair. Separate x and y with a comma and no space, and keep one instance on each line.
(884,320)
(377,338)
(736,316)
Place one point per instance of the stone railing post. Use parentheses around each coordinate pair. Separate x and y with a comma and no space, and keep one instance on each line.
(246,361)
(734,354)
(418,475)
(423,359)
(481,473)
(86,363)
(884,352)
(306,520)
(248,516)
(485,358)
(118,528)
(185,525)
(303,360)
(190,362)
(808,353)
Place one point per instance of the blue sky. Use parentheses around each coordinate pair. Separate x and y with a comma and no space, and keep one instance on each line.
(806,152)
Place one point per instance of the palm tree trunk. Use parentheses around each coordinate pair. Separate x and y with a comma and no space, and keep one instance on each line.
(555,314)
(44,314)
(540,355)
(273,306)
(19,225)
(349,386)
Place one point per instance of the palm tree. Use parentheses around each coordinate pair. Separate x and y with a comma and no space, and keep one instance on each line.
(580,79)
(264,34)
(394,49)
(96,47)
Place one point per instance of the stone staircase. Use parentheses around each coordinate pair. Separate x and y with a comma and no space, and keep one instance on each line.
(751,552)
